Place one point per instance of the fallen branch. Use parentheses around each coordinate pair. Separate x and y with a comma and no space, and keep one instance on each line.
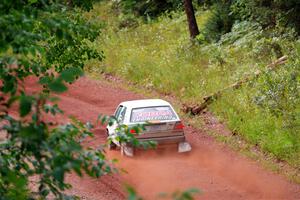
(207,100)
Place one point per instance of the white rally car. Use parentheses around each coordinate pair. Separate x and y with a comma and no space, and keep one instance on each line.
(161,123)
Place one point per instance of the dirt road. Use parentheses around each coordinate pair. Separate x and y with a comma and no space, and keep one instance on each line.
(211,167)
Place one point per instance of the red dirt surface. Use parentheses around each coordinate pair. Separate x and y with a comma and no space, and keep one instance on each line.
(213,168)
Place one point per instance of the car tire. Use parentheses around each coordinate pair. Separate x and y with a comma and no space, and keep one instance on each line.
(112,146)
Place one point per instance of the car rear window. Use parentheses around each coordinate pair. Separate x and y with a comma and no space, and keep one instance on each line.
(160,113)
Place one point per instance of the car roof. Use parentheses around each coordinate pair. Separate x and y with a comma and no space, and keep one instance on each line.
(145,103)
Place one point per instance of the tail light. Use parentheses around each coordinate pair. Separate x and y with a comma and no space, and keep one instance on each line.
(178,126)
(132,131)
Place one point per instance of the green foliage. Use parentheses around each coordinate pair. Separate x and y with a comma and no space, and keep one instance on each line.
(282,13)
(124,135)
(25,105)
(86,5)
(182,195)
(220,21)
(279,94)
(177,195)
(152,8)
(50,41)
(33,149)
(132,194)
(267,14)
(267,42)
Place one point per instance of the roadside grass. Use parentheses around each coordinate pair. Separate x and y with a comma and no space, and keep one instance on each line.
(158,55)
(258,127)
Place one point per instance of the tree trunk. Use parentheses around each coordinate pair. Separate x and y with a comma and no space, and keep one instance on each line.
(189,10)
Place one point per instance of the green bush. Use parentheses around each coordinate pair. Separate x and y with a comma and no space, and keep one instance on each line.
(279,93)
(150,8)
(220,21)
(269,13)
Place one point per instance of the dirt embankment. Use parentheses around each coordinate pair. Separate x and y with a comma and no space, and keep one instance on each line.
(219,172)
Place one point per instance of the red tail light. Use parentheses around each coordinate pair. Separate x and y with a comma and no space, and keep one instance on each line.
(132,131)
(178,126)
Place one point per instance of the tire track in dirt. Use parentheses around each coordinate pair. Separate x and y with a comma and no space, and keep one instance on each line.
(219,172)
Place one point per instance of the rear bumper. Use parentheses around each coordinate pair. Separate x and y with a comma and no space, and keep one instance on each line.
(165,139)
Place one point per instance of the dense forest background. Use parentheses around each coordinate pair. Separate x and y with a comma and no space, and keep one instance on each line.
(267,13)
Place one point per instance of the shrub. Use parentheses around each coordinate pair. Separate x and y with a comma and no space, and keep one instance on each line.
(279,93)
(269,13)
(219,23)
(152,8)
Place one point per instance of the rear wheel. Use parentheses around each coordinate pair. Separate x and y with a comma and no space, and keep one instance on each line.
(126,150)
(112,146)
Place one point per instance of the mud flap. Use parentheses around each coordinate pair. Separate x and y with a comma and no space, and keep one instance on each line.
(126,150)
(184,147)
